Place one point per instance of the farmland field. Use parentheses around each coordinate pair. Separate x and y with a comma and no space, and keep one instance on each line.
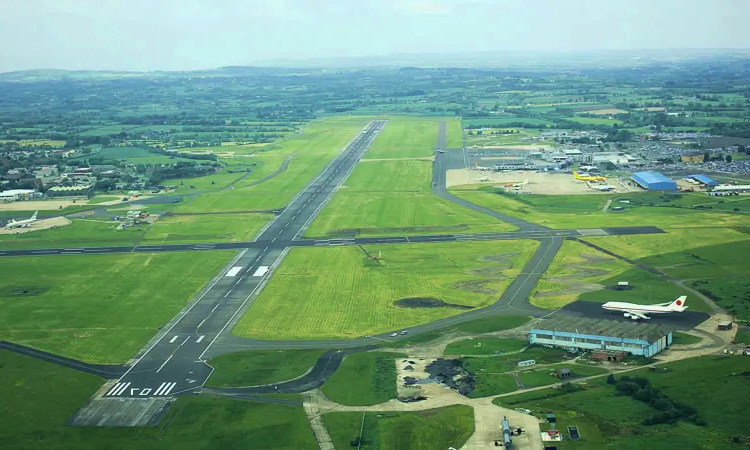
(340,293)
(405,137)
(205,228)
(98,308)
(39,398)
(440,428)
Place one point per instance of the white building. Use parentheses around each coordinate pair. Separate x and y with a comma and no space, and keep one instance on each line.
(17,195)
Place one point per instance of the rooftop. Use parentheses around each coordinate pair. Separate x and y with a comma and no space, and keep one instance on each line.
(652,177)
(599,327)
(704,179)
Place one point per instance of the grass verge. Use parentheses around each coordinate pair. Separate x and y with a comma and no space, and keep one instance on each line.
(258,367)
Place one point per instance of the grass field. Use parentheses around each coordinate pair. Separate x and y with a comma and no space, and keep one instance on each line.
(585,211)
(595,120)
(258,367)
(406,137)
(394,175)
(38,399)
(684,338)
(487,384)
(205,228)
(544,376)
(102,199)
(574,270)
(363,379)
(485,346)
(81,233)
(454,133)
(214,181)
(98,308)
(341,293)
(321,136)
(492,324)
(350,214)
(607,421)
(440,428)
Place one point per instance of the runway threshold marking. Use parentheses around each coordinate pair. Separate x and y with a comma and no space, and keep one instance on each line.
(165,388)
(233,271)
(117,389)
(261,271)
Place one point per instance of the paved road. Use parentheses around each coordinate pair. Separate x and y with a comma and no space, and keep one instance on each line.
(284,242)
(174,364)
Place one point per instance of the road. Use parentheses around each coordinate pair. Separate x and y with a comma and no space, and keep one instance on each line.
(174,364)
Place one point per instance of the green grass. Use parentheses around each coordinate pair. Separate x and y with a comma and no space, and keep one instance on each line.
(487,384)
(439,428)
(595,120)
(102,199)
(258,367)
(81,233)
(507,363)
(405,137)
(359,213)
(454,133)
(484,346)
(205,228)
(394,175)
(684,338)
(543,376)
(213,181)
(98,308)
(585,211)
(38,399)
(742,336)
(363,379)
(492,324)
(340,293)
(607,421)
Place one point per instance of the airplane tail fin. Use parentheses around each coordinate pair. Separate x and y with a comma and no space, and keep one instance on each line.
(34,216)
(679,304)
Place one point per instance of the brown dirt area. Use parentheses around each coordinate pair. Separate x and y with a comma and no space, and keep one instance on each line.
(42,205)
(42,224)
(535,182)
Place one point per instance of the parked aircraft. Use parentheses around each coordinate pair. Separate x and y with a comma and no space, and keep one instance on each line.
(21,223)
(587,177)
(636,312)
(485,178)
(600,187)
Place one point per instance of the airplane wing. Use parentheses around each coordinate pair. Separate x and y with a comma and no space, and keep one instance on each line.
(637,314)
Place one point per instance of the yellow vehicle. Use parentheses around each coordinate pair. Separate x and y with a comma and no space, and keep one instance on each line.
(588,177)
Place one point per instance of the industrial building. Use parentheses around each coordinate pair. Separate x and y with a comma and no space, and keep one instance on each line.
(654,181)
(692,157)
(71,191)
(18,195)
(580,333)
(704,180)
(732,188)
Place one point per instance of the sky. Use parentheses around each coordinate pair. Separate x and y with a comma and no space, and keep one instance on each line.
(191,34)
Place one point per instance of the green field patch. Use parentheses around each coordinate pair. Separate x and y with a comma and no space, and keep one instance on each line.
(99,308)
(585,211)
(595,120)
(440,428)
(544,376)
(81,233)
(367,378)
(327,136)
(576,269)
(258,367)
(405,137)
(487,384)
(492,324)
(102,199)
(499,122)
(350,214)
(393,175)
(485,346)
(205,228)
(681,338)
(39,398)
(730,293)
(342,293)
(454,133)
(215,181)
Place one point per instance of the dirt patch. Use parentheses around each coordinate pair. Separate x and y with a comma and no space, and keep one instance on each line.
(426,302)
(451,373)
(621,288)
(477,286)
(23,291)
(41,205)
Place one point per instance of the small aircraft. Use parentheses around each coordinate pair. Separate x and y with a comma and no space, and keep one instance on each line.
(21,223)
(485,178)
(636,312)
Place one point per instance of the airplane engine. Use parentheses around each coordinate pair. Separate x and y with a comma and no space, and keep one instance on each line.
(634,317)
(626,315)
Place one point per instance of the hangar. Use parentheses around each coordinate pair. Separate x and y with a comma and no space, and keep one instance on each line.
(704,180)
(580,333)
(654,181)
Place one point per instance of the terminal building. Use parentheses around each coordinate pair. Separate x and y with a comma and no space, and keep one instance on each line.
(653,181)
(602,336)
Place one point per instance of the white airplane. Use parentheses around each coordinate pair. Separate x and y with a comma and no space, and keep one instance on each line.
(636,312)
(485,178)
(21,223)
(601,187)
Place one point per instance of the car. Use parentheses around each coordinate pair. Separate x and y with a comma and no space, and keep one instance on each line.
(404,332)
(394,334)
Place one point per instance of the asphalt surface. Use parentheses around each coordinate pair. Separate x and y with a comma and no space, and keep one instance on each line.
(174,363)
(685,320)
(284,242)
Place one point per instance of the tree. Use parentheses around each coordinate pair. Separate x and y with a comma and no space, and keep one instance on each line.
(611,379)
(728,158)
(741,149)
(706,157)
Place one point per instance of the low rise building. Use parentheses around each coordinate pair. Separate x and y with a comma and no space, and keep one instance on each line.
(580,333)
(692,157)
(71,191)
(18,195)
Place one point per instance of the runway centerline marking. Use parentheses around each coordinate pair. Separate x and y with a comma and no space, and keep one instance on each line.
(165,363)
